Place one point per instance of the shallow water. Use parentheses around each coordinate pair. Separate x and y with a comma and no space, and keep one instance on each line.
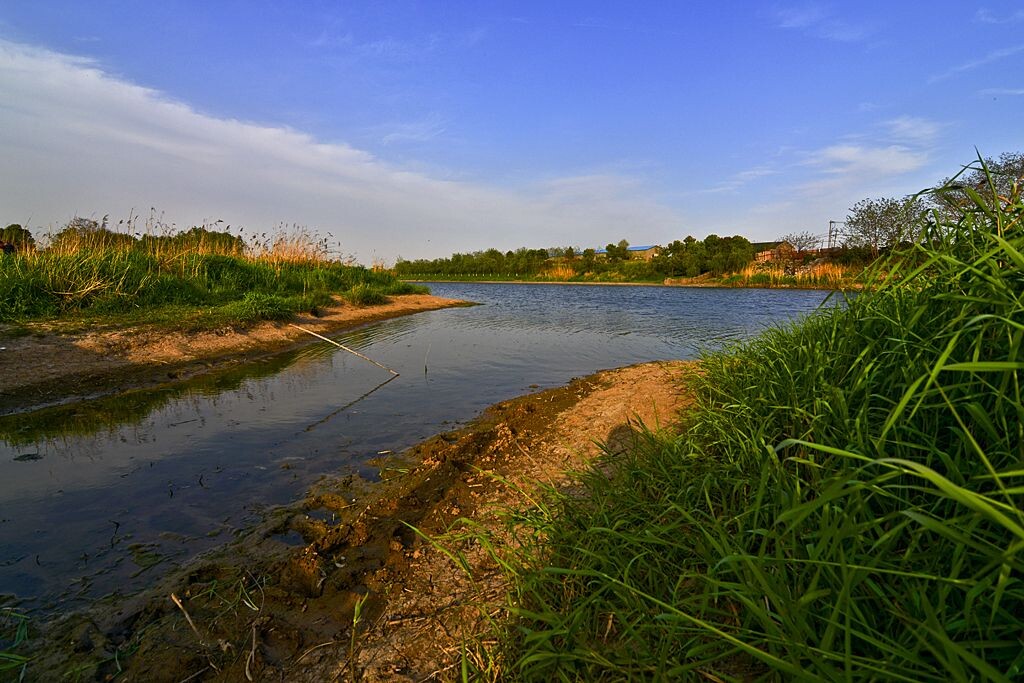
(101,497)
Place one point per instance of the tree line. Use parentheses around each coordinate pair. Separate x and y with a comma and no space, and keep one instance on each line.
(689,258)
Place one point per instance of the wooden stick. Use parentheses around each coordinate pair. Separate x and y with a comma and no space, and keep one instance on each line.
(344,348)
(191,623)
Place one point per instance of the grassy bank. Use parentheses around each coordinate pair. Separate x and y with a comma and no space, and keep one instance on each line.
(204,278)
(845,503)
(763,276)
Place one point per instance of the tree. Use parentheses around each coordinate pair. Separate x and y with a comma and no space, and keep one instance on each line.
(686,258)
(86,233)
(617,252)
(727,254)
(802,241)
(21,238)
(199,239)
(1005,174)
(588,257)
(883,223)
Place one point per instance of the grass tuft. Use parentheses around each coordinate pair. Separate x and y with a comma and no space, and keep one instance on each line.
(364,294)
(845,503)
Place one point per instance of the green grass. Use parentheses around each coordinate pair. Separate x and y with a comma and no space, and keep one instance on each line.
(365,295)
(846,502)
(13,633)
(116,281)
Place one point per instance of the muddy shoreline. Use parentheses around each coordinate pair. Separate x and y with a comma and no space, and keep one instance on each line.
(47,368)
(279,602)
(700,282)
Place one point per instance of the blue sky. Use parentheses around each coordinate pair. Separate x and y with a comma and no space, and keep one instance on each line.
(418,129)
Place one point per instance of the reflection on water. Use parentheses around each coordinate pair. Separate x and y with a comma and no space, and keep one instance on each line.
(173,471)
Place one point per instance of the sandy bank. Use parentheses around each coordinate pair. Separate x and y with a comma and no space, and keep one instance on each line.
(48,368)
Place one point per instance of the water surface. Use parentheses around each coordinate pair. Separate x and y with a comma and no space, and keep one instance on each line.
(101,497)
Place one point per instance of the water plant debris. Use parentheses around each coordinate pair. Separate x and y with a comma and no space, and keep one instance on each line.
(344,348)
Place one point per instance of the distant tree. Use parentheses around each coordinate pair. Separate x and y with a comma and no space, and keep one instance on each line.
(198,239)
(491,262)
(86,233)
(1004,174)
(694,257)
(687,258)
(21,238)
(617,252)
(570,254)
(588,257)
(801,241)
(884,223)
(727,254)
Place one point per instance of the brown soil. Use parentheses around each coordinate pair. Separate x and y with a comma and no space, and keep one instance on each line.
(47,368)
(263,610)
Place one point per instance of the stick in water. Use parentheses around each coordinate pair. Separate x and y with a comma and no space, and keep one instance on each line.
(344,348)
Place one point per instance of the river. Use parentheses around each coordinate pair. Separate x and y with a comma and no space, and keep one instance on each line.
(101,497)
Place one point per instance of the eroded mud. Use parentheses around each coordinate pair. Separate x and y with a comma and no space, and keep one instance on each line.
(347,583)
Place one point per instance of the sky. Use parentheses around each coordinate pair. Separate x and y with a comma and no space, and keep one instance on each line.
(418,129)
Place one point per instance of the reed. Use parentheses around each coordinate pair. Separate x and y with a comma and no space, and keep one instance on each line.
(819,275)
(98,271)
(559,273)
(846,502)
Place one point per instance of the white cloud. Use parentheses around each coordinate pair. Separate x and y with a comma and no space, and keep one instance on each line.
(819,21)
(895,147)
(990,58)
(996,92)
(985,16)
(803,16)
(415,131)
(77,140)
(860,160)
(741,180)
(861,165)
(392,49)
(914,130)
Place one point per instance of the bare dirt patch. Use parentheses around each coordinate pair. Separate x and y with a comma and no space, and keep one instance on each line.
(48,368)
(280,602)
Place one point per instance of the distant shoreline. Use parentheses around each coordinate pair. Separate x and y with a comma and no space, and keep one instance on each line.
(692,285)
(546,282)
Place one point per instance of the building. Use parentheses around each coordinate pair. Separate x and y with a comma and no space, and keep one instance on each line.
(645,253)
(773,251)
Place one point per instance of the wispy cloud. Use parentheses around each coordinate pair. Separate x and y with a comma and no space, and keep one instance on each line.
(996,92)
(913,130)
(79,140)
(819,21)
(896,147)
(740,180)
(986,16)
(415,131)
(990,58)
(605,25)
(334,38)
(862,160)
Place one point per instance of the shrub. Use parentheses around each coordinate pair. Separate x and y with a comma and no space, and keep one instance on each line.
(256,306)
(365,295)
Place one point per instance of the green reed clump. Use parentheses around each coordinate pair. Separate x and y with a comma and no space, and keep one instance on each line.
(846,502)
(95,273)
(364,294)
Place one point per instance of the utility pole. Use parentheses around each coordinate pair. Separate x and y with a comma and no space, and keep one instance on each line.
(833,233)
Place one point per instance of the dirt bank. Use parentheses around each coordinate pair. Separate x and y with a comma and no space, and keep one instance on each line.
(280,603)
(46,368)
